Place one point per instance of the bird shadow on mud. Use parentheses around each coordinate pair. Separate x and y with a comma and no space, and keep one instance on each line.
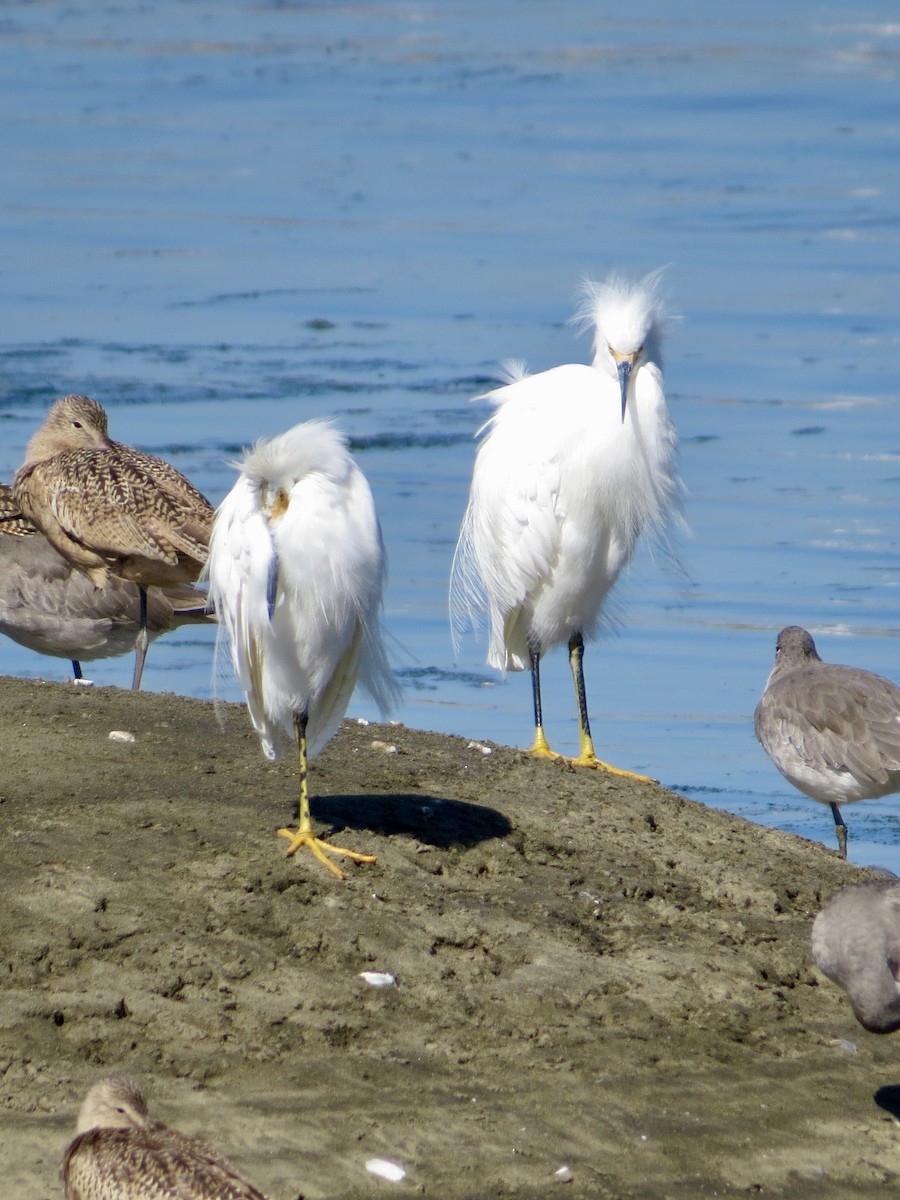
(432,820)
(888,1098)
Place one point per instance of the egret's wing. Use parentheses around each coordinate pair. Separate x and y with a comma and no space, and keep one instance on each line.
(510,534)
(240,569)
(338,583)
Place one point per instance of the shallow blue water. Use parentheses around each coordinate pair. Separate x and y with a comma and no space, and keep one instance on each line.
(221,219)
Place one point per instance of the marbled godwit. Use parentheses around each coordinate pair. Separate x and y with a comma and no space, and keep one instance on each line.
(110,509)
(856,942)
(296,570)
(832,731)
(574,465)
(49,606)
(118,1153)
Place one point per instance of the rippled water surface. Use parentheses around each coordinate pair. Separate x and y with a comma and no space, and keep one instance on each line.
(222,219)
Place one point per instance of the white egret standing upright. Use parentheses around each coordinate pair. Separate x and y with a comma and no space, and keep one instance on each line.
(296,571)
(575,464)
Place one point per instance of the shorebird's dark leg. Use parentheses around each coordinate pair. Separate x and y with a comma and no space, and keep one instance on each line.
(588,757)
(840,828)
(141,642)
(78,674)
(303,835)
(540,748)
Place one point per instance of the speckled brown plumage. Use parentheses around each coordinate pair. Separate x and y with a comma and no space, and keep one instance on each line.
(118,1153)
(12,520)
(49,606)
(832,731)
(107,507)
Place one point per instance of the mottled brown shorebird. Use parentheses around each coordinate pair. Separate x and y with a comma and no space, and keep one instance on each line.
(112,510)
(118,1153)
(51,607)
(856,942)
(832,731)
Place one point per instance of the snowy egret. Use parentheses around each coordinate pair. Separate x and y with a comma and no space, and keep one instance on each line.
(832,731)
(118,1153)
(575,464)
(49,606)
(856,943)
(296,571)
(110,509)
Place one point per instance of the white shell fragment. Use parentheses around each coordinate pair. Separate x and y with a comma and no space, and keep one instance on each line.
(385,747)
(378,979)
(122,735)
(845,1045)
(479,746)
(385,1169)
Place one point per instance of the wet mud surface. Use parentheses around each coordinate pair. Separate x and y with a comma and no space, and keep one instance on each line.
(601,989)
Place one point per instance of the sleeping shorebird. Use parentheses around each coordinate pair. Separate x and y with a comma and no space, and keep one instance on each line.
(856,943)
(832,731)
(575,464)
(296,571)
(111,510)
(118,1153)
(51,607)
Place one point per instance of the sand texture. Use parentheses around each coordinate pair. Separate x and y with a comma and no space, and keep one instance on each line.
(601,989)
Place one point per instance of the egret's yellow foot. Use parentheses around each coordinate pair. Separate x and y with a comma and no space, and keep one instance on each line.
(591,760)
(306,837)
(541,747)
(587,758)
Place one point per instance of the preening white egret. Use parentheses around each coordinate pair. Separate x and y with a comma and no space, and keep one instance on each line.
(575,464)
(832,731)
(296,572)
(110,509)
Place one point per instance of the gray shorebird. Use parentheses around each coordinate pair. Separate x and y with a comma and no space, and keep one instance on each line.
(51,607)
(856,943)
(111,510)
(832,731)
(575,465)
(118,1153)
